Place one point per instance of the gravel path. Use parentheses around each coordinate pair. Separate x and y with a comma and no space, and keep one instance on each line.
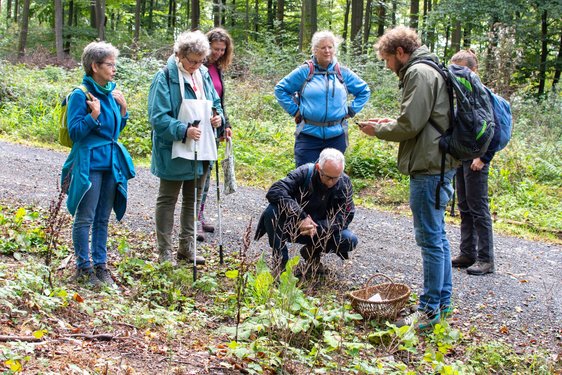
(520,304)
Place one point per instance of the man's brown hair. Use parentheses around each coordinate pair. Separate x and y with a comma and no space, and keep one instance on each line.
(400,36)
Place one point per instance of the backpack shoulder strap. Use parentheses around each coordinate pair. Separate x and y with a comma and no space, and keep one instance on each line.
(308,178)
(309,76)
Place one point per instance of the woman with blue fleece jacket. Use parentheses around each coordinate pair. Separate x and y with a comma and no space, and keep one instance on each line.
(96,171)
(318,102)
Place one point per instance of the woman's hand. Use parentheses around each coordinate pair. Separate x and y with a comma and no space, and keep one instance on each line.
(216,121)
(227,134)
(120,99)
(94,105)
(193,133)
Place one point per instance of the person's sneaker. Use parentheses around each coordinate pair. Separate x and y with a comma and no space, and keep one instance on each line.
(103,275)
(87,276)
(462,261)
(481,268)
(419,319)
(446,312)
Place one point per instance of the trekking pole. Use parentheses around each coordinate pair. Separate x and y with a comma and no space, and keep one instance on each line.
(219,200)
(195,124)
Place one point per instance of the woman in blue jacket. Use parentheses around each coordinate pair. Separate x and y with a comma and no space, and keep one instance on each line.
(315,94)
(96,171)
(173,91)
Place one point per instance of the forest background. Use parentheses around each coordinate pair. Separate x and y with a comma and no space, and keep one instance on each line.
(519,44)
(520,48)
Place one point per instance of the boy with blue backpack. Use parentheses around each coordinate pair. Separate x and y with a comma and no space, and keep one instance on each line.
(477,244)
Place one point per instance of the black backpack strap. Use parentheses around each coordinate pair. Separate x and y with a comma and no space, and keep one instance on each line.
(444,73)
(308,178)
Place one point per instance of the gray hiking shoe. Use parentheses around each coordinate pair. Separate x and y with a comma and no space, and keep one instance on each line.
(87,277)
(481,268)
(102,273)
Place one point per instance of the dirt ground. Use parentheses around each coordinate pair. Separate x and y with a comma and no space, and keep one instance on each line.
(519,304)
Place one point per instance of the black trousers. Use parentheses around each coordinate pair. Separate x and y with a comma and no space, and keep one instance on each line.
(477,238)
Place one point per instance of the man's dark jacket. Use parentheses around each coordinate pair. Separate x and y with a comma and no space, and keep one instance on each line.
(332,209)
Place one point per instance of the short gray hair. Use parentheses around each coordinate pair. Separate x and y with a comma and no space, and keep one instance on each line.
(97,52)
(333,155)
(322,35)
(192,42)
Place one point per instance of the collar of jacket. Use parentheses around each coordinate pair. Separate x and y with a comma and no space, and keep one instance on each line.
(421,53)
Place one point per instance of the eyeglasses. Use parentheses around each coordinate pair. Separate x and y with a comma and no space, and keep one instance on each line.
(194,62)
(326,177)
(109,65)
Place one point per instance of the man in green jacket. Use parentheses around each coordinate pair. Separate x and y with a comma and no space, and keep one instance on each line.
(424,97)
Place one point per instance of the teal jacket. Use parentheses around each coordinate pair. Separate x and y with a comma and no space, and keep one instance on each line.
(76,171)
(164,101)
(95,147)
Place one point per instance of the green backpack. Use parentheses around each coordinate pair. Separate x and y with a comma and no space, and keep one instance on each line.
(64,137)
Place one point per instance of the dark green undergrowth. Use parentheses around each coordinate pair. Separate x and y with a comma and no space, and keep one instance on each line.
(237,310)
(525,179)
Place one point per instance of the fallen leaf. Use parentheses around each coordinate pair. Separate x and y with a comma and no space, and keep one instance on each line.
(78,298)
(504,330)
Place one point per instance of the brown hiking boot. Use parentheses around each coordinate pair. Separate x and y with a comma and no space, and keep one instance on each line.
(462,261)
(185,252)
(481,268)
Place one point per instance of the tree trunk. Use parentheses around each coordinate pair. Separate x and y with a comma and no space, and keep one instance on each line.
(367,23)
(356,23)
(430,28)
(137,21)
(393,16)
(558,65)
(247,19)
(233,14)
(217,9)
(195,14)
(280,14)
(309,23)
(16,10)
(456,37)
(381,16)
(24,29)
(256,18)
(100,18)
(447,34)
(467,37)
(58,30)
(346,22)
(270,16)
(8,11)
(414,13)
(151,17)
(67,33)
(544,52)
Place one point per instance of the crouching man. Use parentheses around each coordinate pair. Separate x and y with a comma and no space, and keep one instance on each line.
(312,206)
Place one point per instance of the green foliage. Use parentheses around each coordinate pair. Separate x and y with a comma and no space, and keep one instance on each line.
(496,357)
(20,232)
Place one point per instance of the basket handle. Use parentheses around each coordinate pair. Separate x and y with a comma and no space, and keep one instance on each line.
(375,275)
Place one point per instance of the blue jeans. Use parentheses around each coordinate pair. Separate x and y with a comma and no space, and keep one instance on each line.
(429,226)
(308,148)
(282,228)
(93,213)
(477,236)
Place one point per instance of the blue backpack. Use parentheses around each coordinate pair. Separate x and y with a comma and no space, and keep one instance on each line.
(502,118)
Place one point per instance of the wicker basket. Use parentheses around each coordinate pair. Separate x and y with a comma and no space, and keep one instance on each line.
(393,299)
